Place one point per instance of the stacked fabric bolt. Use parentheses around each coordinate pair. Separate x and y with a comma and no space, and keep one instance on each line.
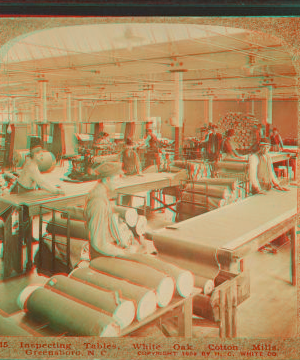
(103,299)
(208,194)
(243,125)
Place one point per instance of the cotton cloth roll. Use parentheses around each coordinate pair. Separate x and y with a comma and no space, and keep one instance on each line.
(130,215)
(204,274)
(232,183)
(144,298)
(184,278)
(140,274)
(213,202)
(123,311)
(218,191)
(77,228)
(64,314)
(141,226)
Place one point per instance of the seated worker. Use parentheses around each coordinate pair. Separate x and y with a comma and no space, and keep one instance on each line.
(152,149)
(261,172)
(105,238)
(30,177)
(130,160)
(276,141)
(227,146)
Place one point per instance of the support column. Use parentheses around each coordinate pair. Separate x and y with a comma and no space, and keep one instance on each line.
(252,107)
(43,97)
(268,107)
(14,110)
(135,109)
(210,110)
(130,110)
(80,111)
(147,99)
(178,112)
(68,109)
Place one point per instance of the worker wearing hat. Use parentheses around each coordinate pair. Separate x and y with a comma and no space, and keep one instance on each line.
(105,239)
(130,160)
(276,140)
(261,172)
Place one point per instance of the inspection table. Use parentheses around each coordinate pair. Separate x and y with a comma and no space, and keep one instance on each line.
(241,228)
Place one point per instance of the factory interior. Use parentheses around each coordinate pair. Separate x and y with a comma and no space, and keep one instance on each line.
(148,180)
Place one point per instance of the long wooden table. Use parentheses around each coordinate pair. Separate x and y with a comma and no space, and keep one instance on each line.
(241,228)
(75,194)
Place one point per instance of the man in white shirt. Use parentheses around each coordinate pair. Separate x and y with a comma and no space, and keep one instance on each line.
(30,177)
(261,172)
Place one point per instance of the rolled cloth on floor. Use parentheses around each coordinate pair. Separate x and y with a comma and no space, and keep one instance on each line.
(141,226)
(140,274)
(9,328)
(77,228)
(184,278)
(79,249)
(218,191)
(75,213)
(145,299)
(204,273)
(123,311)
(66,315)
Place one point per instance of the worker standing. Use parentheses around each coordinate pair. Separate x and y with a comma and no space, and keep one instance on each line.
(276,141)
(152,149)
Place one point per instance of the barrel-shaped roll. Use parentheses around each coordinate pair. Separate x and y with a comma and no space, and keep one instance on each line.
(123,311)
(130,215)
(77,228)
(204,283)
(66,315)
(9,328)
(75,213)
(204,274)
(144,298)
(140,274)
(202,306)
(184,278)
(219,191)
